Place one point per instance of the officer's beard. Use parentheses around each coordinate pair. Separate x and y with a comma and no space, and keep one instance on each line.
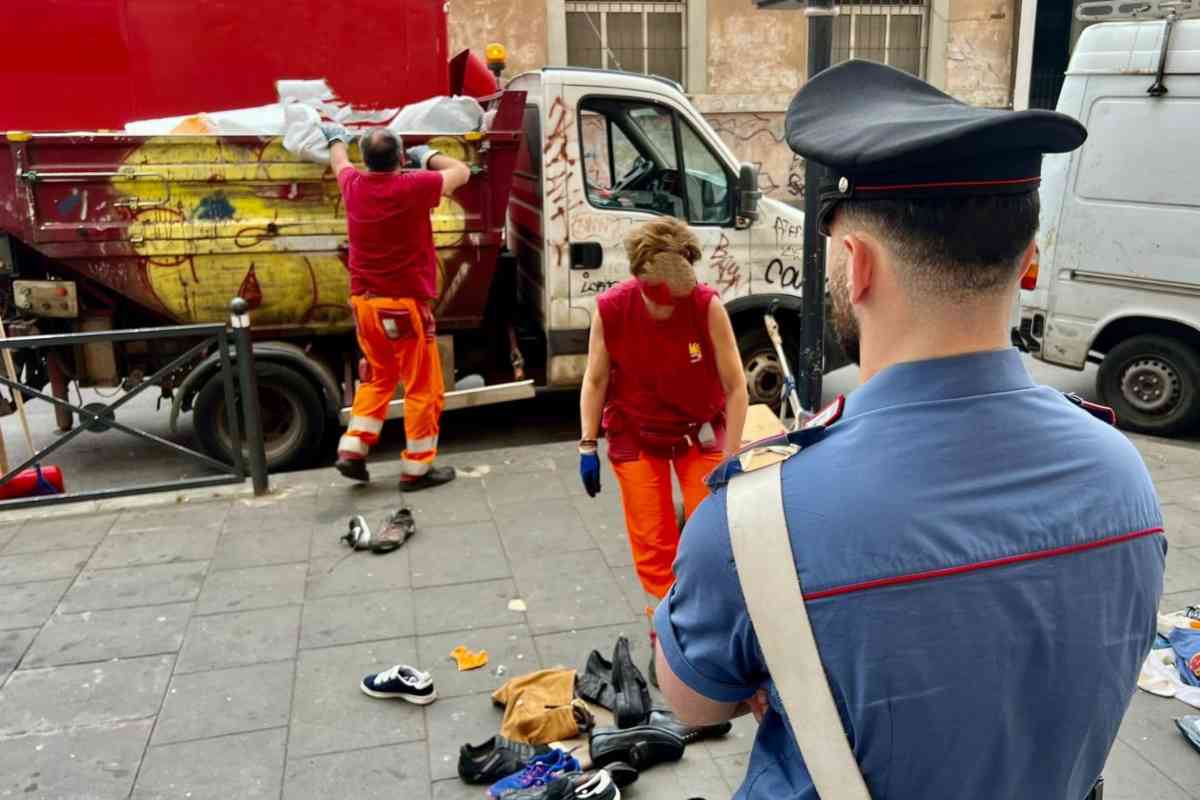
(845,325)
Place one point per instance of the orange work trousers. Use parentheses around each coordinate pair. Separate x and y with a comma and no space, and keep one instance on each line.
(400,349)
(650,510)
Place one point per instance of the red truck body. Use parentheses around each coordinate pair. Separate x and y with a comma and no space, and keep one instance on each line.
(74,65)
(102,229)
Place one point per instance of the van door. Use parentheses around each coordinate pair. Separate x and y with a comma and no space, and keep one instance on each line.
(1126,236)
(614,162)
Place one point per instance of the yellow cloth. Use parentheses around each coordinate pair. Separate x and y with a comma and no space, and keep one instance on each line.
(538,706)
(467,659)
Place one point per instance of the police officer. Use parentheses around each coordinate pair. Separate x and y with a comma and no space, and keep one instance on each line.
(981,558)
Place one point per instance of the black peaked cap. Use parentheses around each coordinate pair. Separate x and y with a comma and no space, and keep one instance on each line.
(884,133)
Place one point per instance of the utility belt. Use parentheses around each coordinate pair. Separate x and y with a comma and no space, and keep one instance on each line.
(673,442)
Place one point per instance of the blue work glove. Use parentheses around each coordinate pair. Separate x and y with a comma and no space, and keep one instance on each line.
(420,155)
(589,471)
(336,133)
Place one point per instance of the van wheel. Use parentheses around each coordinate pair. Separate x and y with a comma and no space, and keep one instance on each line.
(764,373)
(293,418)
(1153,384)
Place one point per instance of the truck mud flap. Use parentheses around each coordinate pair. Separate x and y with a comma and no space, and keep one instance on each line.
(467,398)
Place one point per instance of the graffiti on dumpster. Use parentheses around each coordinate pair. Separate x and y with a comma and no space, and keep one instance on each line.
(210,219)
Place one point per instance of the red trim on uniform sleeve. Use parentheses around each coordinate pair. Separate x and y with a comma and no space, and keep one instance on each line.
(898,580)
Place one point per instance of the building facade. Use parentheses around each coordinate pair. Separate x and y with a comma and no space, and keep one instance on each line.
(742,64)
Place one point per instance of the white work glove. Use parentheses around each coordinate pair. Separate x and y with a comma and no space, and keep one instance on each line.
(420,155)
(333,132)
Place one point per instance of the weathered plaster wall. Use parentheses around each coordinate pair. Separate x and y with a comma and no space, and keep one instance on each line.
(756,136)
(754,52)
(979,51)
(519,25)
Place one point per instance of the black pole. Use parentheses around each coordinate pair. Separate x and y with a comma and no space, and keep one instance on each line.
(240,322)
(811,360)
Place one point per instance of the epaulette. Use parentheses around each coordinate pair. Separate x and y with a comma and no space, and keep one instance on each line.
(1102,413)
(783,445)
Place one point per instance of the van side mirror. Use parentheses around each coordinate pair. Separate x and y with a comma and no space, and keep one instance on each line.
(748,195)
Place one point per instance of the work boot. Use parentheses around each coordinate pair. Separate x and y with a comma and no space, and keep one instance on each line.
(353,468)
(398,529)
(435,477)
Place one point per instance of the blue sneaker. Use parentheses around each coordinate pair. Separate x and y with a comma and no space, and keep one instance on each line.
(540,771)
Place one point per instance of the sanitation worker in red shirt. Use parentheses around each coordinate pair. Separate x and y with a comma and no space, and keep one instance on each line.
(393,280)
(665,381)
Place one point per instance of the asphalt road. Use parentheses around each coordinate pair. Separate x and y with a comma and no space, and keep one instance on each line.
(94,461)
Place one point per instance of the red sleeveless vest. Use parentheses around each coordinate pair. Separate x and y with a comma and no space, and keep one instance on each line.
(664,385)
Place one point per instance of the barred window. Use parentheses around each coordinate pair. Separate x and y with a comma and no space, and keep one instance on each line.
(888,31)
(635,37)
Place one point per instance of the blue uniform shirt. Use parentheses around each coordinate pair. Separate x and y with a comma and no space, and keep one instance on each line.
(982,562)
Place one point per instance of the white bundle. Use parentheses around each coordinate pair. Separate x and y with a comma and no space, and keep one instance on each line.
(302,134)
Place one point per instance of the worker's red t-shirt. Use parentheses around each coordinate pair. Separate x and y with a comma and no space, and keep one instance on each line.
(391,237)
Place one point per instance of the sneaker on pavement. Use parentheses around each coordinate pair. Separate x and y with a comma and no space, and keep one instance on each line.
(398,529)
(402,682)
(496,758)
(541,770)
(592,785)
(435,477)
(353,468)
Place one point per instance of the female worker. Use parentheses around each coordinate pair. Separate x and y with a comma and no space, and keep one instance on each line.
(663,371)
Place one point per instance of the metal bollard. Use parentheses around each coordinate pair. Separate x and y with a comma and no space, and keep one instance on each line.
(240,322)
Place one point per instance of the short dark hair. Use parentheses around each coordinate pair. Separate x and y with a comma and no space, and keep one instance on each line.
(381,150)
(951,247)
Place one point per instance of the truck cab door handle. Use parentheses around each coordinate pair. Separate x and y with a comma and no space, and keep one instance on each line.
(586,255)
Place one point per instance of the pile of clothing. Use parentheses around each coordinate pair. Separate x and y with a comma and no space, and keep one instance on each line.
(531,758)
(1172,669)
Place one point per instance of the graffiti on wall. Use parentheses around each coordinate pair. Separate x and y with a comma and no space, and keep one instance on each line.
(757,138)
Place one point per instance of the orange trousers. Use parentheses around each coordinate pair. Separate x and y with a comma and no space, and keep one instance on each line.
(650,510)
(412,360)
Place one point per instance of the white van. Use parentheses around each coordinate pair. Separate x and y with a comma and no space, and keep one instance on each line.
(1118,274)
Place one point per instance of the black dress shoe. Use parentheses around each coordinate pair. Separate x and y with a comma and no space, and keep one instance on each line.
(631,705)
(436,476)
(662,718)
(642,746)
(496,758)
(353,468)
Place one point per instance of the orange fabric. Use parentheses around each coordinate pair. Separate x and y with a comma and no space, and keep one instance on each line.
(413,361)
(650,510)
(538,707)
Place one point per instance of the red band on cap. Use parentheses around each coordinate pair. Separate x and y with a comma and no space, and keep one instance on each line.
(947,184)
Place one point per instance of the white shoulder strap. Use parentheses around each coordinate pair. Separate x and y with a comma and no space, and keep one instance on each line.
(762,551)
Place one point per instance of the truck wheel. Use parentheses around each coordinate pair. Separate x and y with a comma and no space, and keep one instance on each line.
(1153,383)
(764,373)
(293,418)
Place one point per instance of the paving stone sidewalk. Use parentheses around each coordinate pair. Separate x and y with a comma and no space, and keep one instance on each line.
(210,647)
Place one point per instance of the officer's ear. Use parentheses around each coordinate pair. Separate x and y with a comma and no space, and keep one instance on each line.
(862,263)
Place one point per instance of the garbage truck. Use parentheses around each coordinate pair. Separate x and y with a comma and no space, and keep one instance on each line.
(102,228)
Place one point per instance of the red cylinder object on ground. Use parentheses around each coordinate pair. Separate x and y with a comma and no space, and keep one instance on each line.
(27,484)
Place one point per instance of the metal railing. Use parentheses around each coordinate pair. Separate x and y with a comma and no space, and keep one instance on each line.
(100,417)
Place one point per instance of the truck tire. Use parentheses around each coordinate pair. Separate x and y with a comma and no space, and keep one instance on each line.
(1153,384)
(293,418)
(764,373)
